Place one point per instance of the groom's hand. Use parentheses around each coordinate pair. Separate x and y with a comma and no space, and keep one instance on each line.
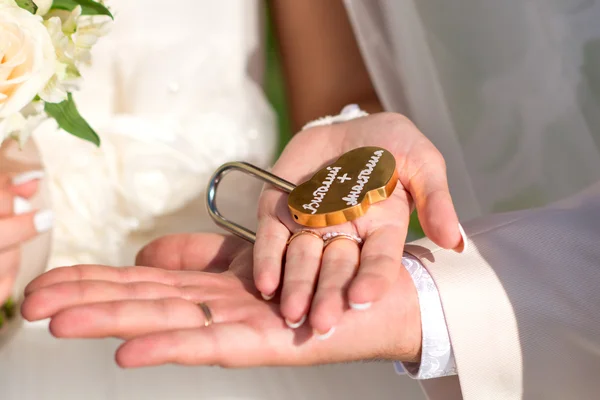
(316,285)
(155,310)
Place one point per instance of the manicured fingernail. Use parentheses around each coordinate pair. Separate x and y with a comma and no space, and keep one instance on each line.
(360,306)
(267,297)
(462,248)
(21,205)
(295,325)
(43,220)
(325,335)
(27,177)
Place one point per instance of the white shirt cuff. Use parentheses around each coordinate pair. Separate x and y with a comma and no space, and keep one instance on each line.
(437,357)
(348,113)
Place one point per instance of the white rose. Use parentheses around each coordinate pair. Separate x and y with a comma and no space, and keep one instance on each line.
(28,58)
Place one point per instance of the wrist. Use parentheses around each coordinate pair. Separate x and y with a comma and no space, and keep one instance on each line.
(412,334)
(405,329)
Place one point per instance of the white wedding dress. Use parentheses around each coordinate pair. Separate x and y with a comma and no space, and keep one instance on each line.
(174,91)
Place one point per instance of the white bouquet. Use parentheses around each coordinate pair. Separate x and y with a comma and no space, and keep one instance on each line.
(43,43)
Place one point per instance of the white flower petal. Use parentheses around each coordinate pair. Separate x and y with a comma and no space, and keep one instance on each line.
(54,92)
(28,62)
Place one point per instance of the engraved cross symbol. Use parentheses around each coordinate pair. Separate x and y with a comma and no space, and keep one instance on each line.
(343,178)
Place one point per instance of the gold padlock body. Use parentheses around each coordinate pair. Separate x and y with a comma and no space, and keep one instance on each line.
(344,190)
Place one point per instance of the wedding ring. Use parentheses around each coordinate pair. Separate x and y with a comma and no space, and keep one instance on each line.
(303,232)
(331,237)
(208,319)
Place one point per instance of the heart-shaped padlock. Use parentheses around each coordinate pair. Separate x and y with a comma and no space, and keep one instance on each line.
(340,192)
(344,190)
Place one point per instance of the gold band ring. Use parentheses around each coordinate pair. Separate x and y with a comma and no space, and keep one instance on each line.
(303,232)
(208,319)
(333,236)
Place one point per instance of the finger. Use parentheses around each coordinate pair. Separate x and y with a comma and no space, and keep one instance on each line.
(380,263)
(121,275)
(242,344)
(269,249)
(126,319)
(25,189)
(47,301)
(340,261)
(425,178)
(302,263)
(11,204)
(24,184)
(198,252)
(24,227)
(9,266)
(218,344)
(99,273)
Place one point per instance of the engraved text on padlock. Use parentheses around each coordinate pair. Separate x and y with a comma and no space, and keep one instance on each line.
(344,190)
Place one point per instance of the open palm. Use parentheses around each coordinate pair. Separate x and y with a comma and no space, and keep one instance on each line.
(155,310)
(320,284)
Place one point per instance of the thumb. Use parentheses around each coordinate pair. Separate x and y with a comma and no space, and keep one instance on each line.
(423,175)
(193,251)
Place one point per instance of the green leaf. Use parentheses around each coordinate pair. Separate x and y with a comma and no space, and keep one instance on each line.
(88,7)
(9,308)
(28,5)
(69,119)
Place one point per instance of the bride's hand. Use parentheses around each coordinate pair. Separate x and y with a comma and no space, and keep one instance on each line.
(321,284)
(17,224)
(155,310)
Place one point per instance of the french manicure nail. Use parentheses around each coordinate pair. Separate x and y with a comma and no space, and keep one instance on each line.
(462,248)
(360,306)
(325,335)
(267,297)
(295,325)
(43,220)
(27,177)
(21,205)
